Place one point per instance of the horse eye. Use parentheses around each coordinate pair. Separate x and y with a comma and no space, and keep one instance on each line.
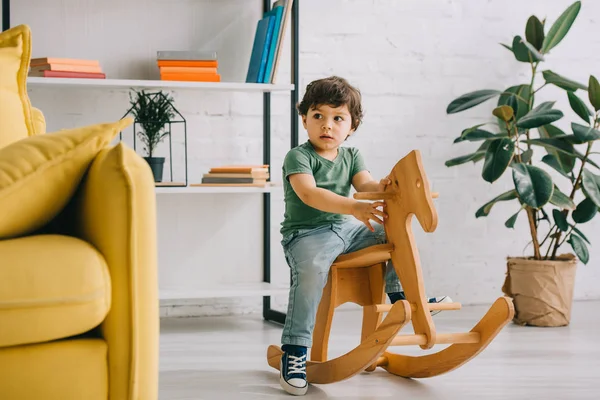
(419,183)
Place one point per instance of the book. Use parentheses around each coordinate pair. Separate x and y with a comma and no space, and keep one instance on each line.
(240,169)
(54,60)
(277,12)
(68,74)
(234,180)
(166,76)
(187,63)
(66,67)
(258,57)
(201,55)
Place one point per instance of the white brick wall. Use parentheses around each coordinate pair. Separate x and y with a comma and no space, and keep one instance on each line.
(409,58)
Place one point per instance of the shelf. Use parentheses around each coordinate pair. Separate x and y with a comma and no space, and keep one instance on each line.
(150,84)
(182,295)
(217,189)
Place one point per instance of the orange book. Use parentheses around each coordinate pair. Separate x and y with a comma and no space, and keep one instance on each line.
(66,67)
(190,77)
(239,169)
(53,60)
(189,70)
(187,63)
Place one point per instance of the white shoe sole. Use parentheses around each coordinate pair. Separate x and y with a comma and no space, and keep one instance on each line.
(445,299)
(294,390)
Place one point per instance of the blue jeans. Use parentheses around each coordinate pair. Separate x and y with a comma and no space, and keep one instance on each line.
(310,254)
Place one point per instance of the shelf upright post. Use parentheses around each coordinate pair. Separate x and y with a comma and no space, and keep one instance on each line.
(268,313)
(5,15)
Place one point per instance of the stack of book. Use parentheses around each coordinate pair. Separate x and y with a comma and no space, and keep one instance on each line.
(267,47)
(194,66)
(236,175)
(52,67)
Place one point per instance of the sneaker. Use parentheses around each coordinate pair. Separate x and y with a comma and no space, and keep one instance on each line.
(292,370)
(394,297)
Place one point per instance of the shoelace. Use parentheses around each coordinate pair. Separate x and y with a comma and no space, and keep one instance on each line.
(297,365)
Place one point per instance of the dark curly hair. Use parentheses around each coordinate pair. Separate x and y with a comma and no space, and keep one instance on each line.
(334,92)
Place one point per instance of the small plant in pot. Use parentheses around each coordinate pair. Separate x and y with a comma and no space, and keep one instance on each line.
(561,192)
(153,111)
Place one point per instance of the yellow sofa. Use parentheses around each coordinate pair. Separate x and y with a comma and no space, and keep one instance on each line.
(78,277)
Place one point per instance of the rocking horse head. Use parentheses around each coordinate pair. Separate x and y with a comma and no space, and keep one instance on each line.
(412,194)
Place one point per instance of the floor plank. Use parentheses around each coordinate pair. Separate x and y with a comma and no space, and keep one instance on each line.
(225,358)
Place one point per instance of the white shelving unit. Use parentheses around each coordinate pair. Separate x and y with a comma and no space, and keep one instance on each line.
(181,296)
(150,84)
(218,189)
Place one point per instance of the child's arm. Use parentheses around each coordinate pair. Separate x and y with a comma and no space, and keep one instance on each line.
(322,199)
(364,182)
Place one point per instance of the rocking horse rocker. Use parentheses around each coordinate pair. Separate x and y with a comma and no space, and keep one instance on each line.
(358,277)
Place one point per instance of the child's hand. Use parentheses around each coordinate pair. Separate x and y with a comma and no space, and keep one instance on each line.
(365,212)
(383,184)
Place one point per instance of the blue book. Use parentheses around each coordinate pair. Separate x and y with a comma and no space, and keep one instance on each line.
(266,47)
(256,58)
(276,12)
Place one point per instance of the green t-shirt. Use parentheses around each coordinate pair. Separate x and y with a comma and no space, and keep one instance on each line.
(335,176)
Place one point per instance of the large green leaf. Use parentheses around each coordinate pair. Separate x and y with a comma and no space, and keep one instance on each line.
(510,223)
(562,146)
(474,136)
(560,220)
(579,248)
(591,186)
(579,106)
(471,99)
(497,159)
(566,161)
(594,92)
(585,133)
(537,118)
(562,82)
(533,184)
(579,233)
(552,160)
(526,156)
(560,27)
(524,51)
(484,210)
(585,211)
(464,159)
(534,32)
(521,94)
(561,200)
(547,105)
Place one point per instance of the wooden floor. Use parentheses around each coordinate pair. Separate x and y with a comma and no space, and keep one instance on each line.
(224,358)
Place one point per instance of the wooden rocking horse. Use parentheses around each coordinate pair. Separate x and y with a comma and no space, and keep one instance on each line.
(358,277)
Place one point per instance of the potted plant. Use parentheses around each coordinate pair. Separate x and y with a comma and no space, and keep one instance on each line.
(557,190)
(153,111)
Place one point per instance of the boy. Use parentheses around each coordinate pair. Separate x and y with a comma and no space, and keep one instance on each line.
(317,228)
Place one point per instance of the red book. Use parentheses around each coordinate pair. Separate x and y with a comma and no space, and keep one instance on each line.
(68,74)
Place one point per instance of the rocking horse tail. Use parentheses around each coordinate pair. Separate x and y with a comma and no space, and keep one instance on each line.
(466,346)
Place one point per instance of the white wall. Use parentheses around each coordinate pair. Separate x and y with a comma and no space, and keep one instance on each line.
(410,59)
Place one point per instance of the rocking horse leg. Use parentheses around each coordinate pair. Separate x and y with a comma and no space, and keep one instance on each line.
(457,354)
(372,318)
(322,329)
(356,360)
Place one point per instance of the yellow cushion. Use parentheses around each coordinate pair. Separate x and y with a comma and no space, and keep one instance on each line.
(51,287)
(39,122)
(39,174)
(66,369)
(16,121)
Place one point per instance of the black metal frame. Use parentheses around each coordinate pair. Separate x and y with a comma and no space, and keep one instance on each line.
(268,313)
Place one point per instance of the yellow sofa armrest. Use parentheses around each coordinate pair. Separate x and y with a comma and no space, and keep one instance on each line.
(115,211)
(39,122)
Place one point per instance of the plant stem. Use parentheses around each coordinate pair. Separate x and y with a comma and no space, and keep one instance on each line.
(574,190)
(566,235)
(533,229)
(540,88)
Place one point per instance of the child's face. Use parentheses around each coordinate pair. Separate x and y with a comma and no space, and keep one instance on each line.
(328,127)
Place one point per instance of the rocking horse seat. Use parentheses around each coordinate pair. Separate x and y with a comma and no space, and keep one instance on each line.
(366,257)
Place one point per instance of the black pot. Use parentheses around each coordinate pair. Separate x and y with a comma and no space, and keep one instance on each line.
(156,164)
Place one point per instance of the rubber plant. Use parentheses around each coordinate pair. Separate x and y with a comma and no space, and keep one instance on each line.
(557,204)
